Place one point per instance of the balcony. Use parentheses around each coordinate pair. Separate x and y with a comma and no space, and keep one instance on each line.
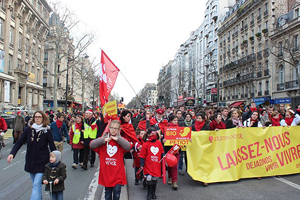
(259,55)
(258,18)
(266,52)
(252,22)
(267,92)
(259,74)
(280,86)
(291,84)
(259,93)
(266,72)
(214,15)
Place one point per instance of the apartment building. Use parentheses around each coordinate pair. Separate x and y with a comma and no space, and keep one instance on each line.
(286,56)
(23,30)
(164,84)
(245,64)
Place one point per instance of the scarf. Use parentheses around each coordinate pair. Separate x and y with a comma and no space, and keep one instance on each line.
(199,125)
(237,122)
(54,164)
(136,114)
(59,124)
(253,109)
(298,110)
(275,122)
(128,132)
(78,126)
(289,121)
(152,138)
(38,128)
(217,125)
(188,124)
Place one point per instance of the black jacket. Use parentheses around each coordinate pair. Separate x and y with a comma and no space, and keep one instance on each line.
(37,153)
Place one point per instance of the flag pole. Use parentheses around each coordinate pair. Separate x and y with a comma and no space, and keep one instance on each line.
(131,88)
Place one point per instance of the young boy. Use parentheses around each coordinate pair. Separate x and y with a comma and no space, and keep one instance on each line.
(111,148)
(55,174)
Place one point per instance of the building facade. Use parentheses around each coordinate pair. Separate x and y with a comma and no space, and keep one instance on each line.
(24,27)
(286,55)
(245,63)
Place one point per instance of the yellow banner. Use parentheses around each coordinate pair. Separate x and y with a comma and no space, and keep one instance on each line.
(228,155)
(110,108)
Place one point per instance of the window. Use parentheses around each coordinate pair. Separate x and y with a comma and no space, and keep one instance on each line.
(37,75)
(266,24)
(32,69)
(10,63)
(11,35)
(280,49)
(259,29)
(46,56)
(297,12)
(294,71)
(260,87)
(281,74)
(1,28)
(259,12)
(266,8)
(267,64)
(295,42)
(20,42)
(267,85)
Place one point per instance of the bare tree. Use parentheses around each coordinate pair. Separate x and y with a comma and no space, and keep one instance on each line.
(62,46)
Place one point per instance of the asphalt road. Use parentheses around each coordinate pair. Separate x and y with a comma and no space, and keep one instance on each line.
(15,183)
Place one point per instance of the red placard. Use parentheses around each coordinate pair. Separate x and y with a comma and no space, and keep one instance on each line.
(178,133)
(214,90)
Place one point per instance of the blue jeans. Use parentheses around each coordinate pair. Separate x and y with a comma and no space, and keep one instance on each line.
(180,162)
(57,195)
(113,193)
(36,179)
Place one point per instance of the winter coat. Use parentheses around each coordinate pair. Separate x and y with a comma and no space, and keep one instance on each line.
(37,153)
(59,133)
(247,123)
(3,125)
(19,123)
(52,173)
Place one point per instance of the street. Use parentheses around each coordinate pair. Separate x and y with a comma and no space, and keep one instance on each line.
(15,183)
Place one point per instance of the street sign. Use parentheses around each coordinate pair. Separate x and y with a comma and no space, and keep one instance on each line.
(213,90)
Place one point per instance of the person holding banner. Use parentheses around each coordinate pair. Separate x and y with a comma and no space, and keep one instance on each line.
(236,118)
(253,121)
(217,122)
(291,119)
(172,171)
(150,156)
(200,123)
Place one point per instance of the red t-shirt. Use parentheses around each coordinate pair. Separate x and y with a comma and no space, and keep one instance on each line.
(112,169)
(151,152)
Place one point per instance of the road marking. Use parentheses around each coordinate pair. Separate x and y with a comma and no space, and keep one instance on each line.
(93,186)
(12,164)
(288,182)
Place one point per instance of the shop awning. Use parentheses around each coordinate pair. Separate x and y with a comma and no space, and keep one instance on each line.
(236,104)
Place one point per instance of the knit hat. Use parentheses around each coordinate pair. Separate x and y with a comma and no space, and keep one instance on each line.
(160,111)
(89,111)
(19,112)
(57,155)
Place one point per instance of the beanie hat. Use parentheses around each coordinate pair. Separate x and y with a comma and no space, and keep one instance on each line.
(57,155)
(18,112)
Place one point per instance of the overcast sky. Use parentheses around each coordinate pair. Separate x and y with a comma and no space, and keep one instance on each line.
(138,36)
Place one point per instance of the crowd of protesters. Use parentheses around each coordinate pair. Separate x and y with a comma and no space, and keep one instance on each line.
(134,133)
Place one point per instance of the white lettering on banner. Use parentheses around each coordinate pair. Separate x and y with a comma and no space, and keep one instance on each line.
(111,161)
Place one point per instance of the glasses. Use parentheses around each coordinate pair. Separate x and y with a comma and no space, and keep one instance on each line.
(112,128)
(38,117)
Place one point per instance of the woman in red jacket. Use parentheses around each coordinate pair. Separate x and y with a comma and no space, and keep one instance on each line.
(76,141)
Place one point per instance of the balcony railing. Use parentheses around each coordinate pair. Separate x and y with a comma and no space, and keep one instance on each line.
(280,86)
(259,74)
(291,84)
(266,13)
(266,72)
(267,92)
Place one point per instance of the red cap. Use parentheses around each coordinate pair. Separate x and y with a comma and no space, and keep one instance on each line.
(19,112)
(146,106)
(160,111)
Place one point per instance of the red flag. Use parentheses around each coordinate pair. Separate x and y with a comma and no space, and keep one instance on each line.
(108,76)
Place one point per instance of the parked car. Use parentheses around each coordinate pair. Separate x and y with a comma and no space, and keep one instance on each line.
(9,119)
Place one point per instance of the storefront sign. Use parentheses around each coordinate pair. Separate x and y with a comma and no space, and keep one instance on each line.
(214,90)
(283,101)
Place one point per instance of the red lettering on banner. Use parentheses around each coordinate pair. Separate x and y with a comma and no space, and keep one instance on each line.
(289,155)
(230,160)
(250,151)
(257,145)
(272,166)
(277,141)
(221,165)
(243,152)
